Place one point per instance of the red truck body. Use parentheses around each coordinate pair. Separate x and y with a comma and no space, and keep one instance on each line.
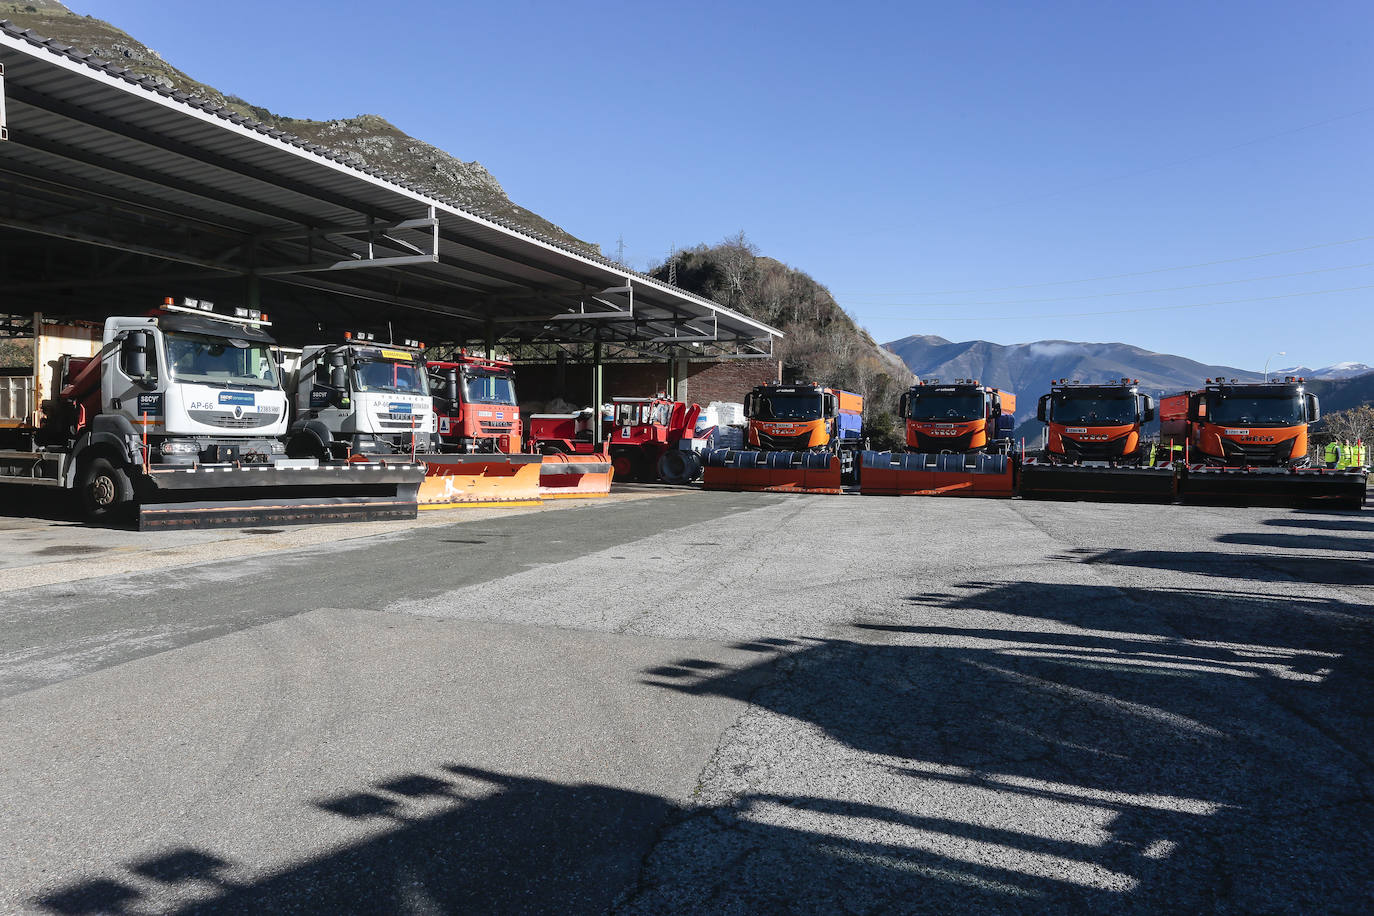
(474,400)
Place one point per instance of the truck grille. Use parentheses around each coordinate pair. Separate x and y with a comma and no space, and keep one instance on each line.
(926,443)
(784,443)
(1111,450)
(1255,453)
(496,425)
(229,421)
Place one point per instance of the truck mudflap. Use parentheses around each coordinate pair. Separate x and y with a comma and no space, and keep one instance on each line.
(564,476)
(1043,480)
(936,474)
(212,496)
(772,472)
(1336,489)
(481,479)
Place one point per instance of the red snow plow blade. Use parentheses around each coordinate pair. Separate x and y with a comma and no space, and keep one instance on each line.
(566,476)
(772,472)
(480,479)
(929,474)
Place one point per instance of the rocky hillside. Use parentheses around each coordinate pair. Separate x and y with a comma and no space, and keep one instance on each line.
(366,141)
(822,344)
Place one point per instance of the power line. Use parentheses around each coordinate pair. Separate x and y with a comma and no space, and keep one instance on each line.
(1139,292)
(1139,273)
(1153,308)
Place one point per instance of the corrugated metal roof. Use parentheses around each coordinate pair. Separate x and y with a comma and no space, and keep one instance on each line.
(175,180)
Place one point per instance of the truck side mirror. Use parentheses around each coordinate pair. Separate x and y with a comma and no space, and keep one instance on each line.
(1149,408)
(1042,409)
(832,405)
(1314,408)
(750,406)
(338,371)
(1197,408)
(451,386)
(134,355)
(903,406)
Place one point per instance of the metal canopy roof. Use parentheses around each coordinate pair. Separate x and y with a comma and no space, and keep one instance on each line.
(116,191)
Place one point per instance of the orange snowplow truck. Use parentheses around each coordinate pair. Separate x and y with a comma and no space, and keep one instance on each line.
(1095,445)
(958,443)
(475,400)
(1248,442)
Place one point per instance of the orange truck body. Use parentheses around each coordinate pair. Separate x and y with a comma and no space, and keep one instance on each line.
(961,433)
(1242,425)
(1095,422)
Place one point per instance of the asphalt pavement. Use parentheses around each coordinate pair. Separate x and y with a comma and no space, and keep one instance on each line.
(699,703)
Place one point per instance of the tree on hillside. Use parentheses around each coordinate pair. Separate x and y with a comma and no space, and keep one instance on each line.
(822,342)
(1350,425)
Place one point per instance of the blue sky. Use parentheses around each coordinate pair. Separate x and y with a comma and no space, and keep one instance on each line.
(942,168)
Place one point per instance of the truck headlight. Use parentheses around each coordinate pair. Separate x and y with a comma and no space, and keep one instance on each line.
(179,448)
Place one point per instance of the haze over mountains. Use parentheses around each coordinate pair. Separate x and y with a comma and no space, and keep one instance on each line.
(1027,368)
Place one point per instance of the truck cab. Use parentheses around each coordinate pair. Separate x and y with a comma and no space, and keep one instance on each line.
(803,418)
(961,417)
(361,396)
(474,399)
(1230,424)
(197,387)
(1095,422)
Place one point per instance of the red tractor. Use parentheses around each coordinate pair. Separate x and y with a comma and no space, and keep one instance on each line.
(655,439)
(649,439)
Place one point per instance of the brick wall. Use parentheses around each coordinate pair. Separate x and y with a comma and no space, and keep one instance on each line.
(706,381)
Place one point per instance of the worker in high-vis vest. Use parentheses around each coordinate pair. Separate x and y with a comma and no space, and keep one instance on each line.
(1332,454)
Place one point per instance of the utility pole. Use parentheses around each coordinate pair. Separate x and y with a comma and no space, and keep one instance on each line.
(672,265)
(620,250)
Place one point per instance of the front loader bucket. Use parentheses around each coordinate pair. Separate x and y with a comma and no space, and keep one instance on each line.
(1343,489)
(211,496)
(575,476)
(929,474)
(1103,484)
(485,479)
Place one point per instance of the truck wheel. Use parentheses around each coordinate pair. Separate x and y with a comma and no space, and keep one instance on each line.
(106,492)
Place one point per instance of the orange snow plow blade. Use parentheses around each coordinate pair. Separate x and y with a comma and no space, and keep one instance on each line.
(772,472)
(575,476)
(486,479)
(925,474)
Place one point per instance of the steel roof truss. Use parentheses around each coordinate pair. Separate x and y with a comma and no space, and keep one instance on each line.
(4,128)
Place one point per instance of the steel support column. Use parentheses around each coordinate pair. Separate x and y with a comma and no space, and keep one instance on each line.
(597,394)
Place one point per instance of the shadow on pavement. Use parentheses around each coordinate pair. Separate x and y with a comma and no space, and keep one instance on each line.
(1176,751)
(1298,541)
(1254,567)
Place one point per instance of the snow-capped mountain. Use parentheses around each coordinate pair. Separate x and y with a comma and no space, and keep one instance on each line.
(1336,371)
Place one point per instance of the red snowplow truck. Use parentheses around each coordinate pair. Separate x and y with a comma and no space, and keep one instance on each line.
(474,398)
(1247,442)
(1095,445)
(958,443)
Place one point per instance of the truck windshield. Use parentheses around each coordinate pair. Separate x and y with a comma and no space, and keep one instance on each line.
(1085,409)
(1278,410)
(932,405)
(388,375)
(488,388)
(787,407)
(225,361)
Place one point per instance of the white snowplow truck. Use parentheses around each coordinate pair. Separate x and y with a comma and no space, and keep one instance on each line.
(360,397)
(178,419)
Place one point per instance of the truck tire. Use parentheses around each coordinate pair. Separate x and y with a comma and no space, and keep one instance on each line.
(105,491)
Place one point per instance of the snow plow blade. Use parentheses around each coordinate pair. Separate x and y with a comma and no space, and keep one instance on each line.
(772,472)
(482,479)
(1104,484)
(575,476)
(931,474)
(209,496)
(1336,489)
